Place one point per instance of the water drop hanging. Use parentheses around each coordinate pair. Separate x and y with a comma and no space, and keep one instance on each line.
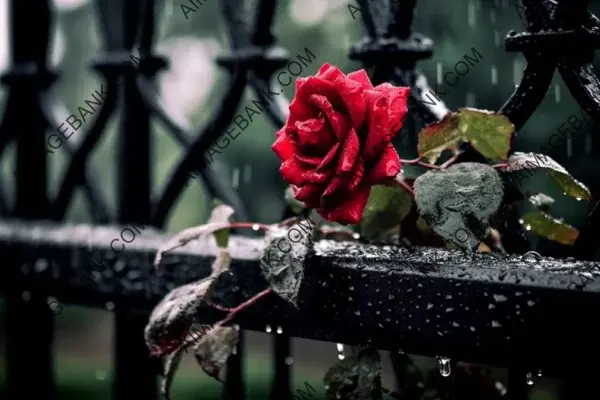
(279,330)
(529,378)
(340,349)
(539,373)
(268,329)
(444,366)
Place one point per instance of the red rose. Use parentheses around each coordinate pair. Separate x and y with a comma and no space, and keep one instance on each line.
(335,144)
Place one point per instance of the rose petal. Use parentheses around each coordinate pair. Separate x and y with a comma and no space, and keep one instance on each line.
(309,133)
(361,77)
(309,195)
(350,211)
(386,168)
(378,136)
(354,100)
(294,173)
(312,161)
(397,99)
(348,153)
(323,68)
(338,122)
(331,74)
(283,146)
(329,158)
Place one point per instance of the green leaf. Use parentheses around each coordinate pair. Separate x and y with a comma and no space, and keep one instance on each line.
(221,214)
(532,161)
(457,203)
(295,205)
(386,208)
(489,133)
(355,378)
(550,228)
(439,136)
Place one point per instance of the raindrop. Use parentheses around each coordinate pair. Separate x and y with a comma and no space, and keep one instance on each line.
(494,72)
(578,198)
(26,295)
(268,329)
(444,366)
(255,227)
(470,99)
(497,38)
(528,227)
(341,356)
(40,265)
(493,16)
(521,221)
(540,373)
(517,71)
(400,351)
(569,147)
(356,236)
(289,361)
(235,179)
(357,312)
(110,305)
(529,378)
(279,330)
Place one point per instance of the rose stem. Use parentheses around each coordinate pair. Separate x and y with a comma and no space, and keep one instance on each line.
(243,306)
(417,161)
(450,160)
(250,225)
(399,181)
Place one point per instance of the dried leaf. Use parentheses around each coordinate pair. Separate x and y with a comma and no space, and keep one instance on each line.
(550,228)
(489,133)
(186,236)
(221,214)
(439,136)
(531,161)
(171,363)
(386,208)
(172,317)
(215,348)
(282,263)
(355,377)
(457,203)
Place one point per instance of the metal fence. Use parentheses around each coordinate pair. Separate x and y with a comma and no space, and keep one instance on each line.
(547,306)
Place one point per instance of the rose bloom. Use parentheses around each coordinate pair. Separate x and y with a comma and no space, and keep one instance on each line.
(336,143)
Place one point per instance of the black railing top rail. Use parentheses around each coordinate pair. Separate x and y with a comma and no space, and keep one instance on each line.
(523,311)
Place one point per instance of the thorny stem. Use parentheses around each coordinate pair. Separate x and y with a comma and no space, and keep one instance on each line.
(243,306)
(400,182)
(450,160)
(217,307)
(417,161)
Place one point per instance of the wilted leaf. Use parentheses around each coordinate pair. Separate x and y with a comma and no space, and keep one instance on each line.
(550,228)
(172,317)
(215,348)
(171,363)
(296,205)
(355,378)
(541,201)
(386,208)
(531,161)
(282,263)
(457,203)
(489,133)
(186,236)
(221,214)
(439,136)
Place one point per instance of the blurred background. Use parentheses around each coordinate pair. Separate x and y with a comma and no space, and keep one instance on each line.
(190,87)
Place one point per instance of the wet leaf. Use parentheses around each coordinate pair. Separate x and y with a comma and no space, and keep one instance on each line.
(532,161)
(186,236)
(172,317)
(439,136)
(215,348)
(550,228)
(386,208)
(355,377)
(221,214)
(489,133)
(171,363)
(295,205)
(282,263)
(457,203)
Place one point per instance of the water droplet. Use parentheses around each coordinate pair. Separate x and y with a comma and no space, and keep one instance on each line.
(341,356)
(40,265)
(528,227)
(578,198)
(100,375)
(529,378)
(351,288)
(540,373)
(356,236)
(357,312)
(268,329)
(26,295)
(444,366)
(340,349)
(521,221)
(279,330)
(110,305)
(255,227)
(236,327)
(400,351)
(289,361)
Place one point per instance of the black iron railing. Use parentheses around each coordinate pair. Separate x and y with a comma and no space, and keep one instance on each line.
(434,306)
